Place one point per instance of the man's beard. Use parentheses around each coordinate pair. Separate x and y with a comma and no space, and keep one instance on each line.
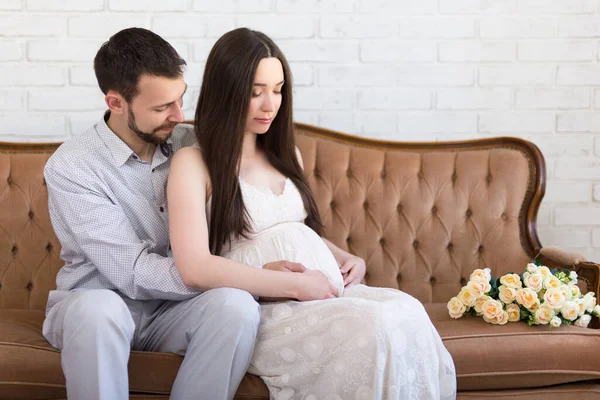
(151,137)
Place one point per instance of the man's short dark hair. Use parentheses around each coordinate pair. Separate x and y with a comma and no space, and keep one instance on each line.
(131,53)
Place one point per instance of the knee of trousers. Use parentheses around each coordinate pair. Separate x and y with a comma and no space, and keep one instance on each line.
(234,308)
(101,311)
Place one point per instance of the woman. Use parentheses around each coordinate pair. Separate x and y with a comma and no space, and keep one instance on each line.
(243,198)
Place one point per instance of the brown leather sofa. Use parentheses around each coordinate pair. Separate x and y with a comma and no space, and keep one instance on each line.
(423,216)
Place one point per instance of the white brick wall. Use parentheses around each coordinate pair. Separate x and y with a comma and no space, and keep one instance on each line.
(403,70)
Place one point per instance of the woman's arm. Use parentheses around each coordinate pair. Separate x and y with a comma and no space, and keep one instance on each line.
(186,193)
(353,268)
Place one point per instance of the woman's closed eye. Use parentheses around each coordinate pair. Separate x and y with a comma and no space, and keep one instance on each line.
(258,94)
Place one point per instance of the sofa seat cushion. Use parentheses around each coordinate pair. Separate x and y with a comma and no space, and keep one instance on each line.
(486,357)
(516,355)
(30,368)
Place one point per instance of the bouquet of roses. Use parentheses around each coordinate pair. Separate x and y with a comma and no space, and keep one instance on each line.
(539,296)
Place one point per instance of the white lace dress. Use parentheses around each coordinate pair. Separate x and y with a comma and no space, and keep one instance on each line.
(370,343)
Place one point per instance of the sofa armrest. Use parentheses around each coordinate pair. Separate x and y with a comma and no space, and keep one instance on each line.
(560,257)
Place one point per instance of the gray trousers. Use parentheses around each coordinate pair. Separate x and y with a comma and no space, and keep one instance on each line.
(96,329)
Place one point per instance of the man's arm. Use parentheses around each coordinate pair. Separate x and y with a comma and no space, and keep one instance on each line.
(107,239)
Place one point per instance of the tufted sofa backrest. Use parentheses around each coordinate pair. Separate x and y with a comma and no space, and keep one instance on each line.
(29,249)
(423,216)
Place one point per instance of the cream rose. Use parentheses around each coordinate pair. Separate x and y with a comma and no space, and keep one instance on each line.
(581,304)
(597,310)
(555,322)
(491,309)
(479,304)
(467,296)
(583,321)
(534,282)
(511,281)
(570,310)
(526,297)
(514,312)
(535,305)
(507,294)
(554,298)
(481,274)
(456,308)
(575,291)
(566,291)
(502,319)
(479,287)
(543,315)
(545,271)
(573,276)
(532,268)
(590,301)
(551,282)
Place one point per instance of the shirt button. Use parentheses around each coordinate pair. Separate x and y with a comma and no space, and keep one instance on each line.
(162,209)
(134,157)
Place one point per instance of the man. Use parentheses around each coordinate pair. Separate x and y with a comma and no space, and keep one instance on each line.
(119,288)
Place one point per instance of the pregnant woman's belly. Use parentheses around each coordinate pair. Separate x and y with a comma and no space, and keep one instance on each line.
(290,241)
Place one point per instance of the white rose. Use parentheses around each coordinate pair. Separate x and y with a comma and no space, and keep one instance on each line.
(555,322)
(570,310)
(456,309)
(534,281)
(566,291)
(554,298)
(467,296)
(512,281)
(583,321)
(573,276)
(532,268)
(507,294)
(492,309)
(551,282)
(543,314)
(581,304)
(483,274)
(479,304)
(502,319)
(590,301)
(597,310)
(479,287)
(514,312)
(527,298)
(575,291)
(545,271)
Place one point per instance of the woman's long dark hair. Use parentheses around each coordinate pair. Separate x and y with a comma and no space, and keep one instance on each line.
(220,122)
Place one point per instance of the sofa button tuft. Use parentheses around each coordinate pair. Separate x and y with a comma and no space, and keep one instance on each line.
(29,286)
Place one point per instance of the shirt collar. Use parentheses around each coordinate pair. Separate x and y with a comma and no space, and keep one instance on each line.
(119,149)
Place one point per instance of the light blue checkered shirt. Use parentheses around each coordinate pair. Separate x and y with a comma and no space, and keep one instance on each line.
(109,210)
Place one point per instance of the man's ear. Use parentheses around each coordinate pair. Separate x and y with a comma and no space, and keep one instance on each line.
(115,102)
